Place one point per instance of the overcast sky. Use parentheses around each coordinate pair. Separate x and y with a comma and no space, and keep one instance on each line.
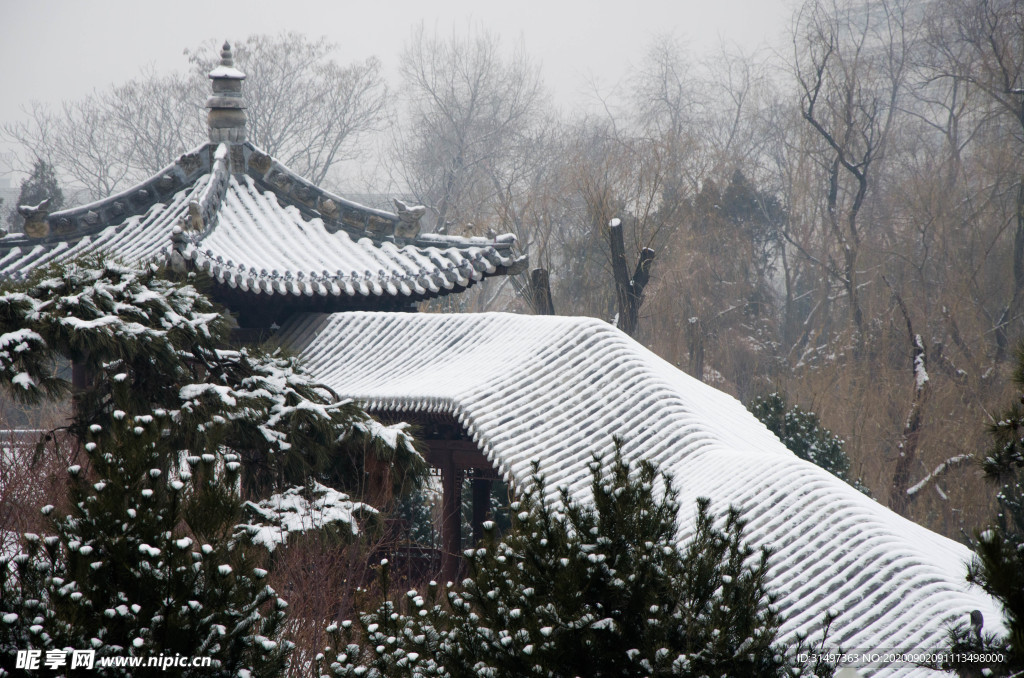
(61,49)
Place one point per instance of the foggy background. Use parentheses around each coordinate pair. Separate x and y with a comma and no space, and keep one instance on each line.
(53,50)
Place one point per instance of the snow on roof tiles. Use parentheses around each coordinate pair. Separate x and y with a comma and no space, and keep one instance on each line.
(555,390)
(263,230)
(137,238)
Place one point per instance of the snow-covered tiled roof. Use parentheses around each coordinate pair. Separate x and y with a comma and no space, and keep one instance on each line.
(259,229)
(555,390)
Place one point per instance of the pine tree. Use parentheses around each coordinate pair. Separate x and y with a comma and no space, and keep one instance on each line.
(143,564)
(590,589)
(175,427)
(999,549)
(40,185)
(168,346)
(803,434)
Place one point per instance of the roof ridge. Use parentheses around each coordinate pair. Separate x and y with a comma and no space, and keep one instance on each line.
(82,220)
(204,211)
(339,212)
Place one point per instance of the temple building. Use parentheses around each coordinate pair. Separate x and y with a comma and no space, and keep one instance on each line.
(496,393)
(273,243)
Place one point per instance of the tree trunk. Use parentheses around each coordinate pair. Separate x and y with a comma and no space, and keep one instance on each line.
(898,498)
(540,292)
(629,290)
(1013,307)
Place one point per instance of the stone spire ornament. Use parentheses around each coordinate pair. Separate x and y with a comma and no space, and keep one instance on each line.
(227,108)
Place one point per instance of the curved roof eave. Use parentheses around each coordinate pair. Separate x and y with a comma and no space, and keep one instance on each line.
(316,242)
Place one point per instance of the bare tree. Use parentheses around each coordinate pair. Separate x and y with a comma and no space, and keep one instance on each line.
(587,197)
(850,62)
(527,199)
(465,106)
(669,104)
(695,127)
(162,115)
(303,107)
(979,45)
(81,140)
(109,139)
(609,174)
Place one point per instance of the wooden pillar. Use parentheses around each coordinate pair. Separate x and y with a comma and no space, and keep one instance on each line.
(81,380)
(453,457)
(481,506)
(451,520)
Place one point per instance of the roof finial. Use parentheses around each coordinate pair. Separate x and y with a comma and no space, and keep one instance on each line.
(225,55)
(227,108)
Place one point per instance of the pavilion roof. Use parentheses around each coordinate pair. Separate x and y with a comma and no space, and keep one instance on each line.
(260,230)
(264,231)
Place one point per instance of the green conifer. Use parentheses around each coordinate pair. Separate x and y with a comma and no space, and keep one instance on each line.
(143,565)
(176,429)
(585,589)
(803,434)
(40,185)
(999,549)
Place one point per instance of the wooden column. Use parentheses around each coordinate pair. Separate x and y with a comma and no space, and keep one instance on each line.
(81,380)
(481,506)
(451,520)
(453,458)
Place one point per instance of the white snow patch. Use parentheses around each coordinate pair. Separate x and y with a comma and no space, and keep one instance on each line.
(391,435)
(23,380)
(194,391)
(920,374)
(298,510)
(960,458)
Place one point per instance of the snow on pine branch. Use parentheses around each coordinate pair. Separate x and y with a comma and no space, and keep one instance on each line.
(151,344)
(268,393)
(393,436)
(101,312)
(298,510)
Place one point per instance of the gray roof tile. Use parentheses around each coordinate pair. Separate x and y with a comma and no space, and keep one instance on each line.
(254,226)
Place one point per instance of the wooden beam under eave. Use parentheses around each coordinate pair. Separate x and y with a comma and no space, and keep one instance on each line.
(463,453)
